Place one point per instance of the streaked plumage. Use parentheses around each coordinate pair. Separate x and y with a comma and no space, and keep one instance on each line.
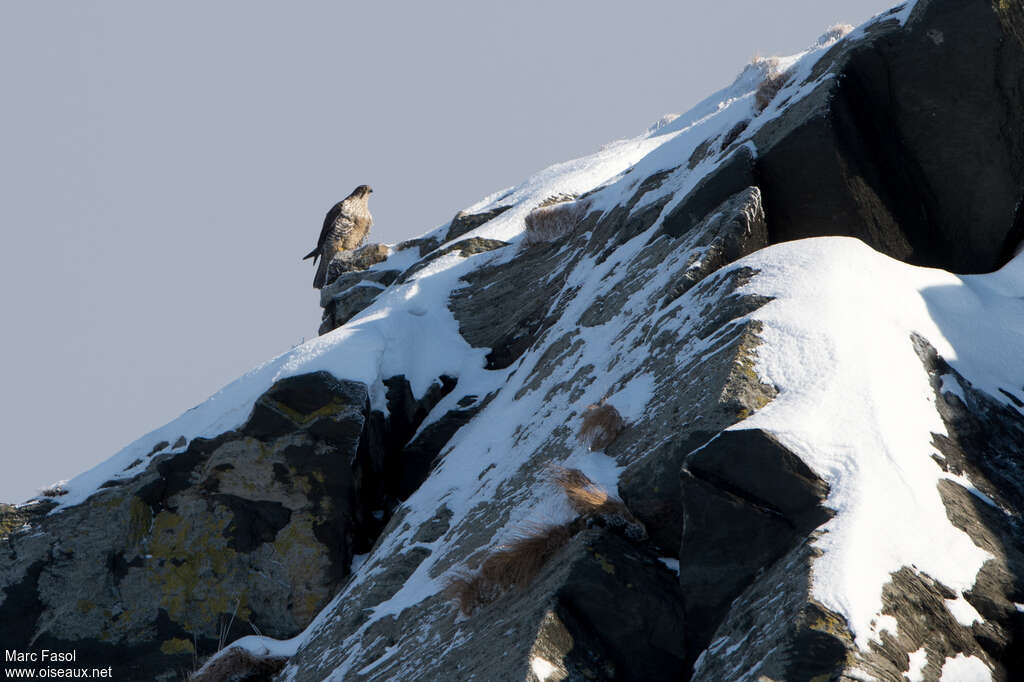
(345,228)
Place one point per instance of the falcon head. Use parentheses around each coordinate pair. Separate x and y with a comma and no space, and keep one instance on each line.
(362,191)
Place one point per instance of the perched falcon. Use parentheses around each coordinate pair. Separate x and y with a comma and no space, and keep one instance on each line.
(345,229)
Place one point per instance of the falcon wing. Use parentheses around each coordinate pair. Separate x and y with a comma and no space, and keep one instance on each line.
(329,219)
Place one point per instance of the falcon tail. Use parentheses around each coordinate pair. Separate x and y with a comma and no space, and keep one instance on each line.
(312,254)
(321,274)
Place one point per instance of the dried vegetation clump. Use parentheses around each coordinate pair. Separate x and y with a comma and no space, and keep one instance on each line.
(593,503)
(601,425)
(513,565)
(238,665)
(517,563)
(556,217)
(585,496)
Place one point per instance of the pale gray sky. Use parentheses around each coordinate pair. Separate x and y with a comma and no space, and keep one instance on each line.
(164,166)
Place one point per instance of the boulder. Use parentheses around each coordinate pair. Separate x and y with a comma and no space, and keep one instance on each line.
(464,222)
(747,501)
(906,145)
(362,258)
(252,529)
(350,294)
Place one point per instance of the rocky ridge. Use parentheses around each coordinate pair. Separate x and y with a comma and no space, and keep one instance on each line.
(334,507)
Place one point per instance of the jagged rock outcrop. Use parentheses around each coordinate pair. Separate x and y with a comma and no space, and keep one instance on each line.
(148,572)
(351,288)
(359,501)
(350,285)
(896,125)
(349,294)
(726,382)
(871,152)
(354,261)
(464,222)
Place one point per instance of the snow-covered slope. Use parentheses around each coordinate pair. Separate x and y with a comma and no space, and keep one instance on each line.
(820,470)
(376,345)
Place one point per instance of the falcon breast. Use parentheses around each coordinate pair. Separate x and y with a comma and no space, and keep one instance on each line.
(345,228)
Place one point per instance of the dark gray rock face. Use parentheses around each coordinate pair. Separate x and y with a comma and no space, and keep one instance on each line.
(146,573)
(464,222)
(916,145)
(775,627)
(984,440)
(583,618)
(256,527)
(730,177)
(901,144)
(747,502)
(615,633)
(400,463)
(350,294)
(362,258)
(350,286)
(465,248)
(504,315)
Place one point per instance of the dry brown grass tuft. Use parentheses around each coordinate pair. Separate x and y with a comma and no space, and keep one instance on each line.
(470,591)
(585,496)
(549,221)
(590,500)
(517,563)
(513,565)
(602,423)
(236,665)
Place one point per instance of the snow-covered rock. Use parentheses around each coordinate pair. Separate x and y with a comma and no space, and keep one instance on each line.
(821,427)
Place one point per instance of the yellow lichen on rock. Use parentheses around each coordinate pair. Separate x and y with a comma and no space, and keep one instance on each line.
(139,519)
(306,566)
(334,408)
(191,565)
(177,645)
(744,386)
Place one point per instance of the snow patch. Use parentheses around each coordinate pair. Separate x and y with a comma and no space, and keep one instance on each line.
(541,668)
(670,563)
(599,468)
(261,647)
(918,660)
(357,561)
(902,13)
(856,405)
(962,610)
(884,623)
(965,482)
(950,385)
(965,669)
